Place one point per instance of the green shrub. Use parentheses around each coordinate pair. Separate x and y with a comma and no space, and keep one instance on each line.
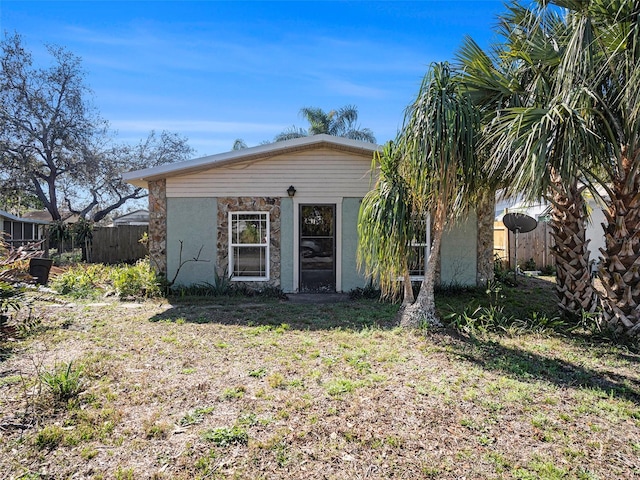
(11,298)
(138,280)
(92,280)
(82,281)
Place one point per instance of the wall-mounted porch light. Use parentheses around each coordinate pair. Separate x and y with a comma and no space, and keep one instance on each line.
(291,191)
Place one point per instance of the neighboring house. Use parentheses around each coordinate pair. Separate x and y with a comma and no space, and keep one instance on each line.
(137,217)
(543,242)
(283,214)
(20,231)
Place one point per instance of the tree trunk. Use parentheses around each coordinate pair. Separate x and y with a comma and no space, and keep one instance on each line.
(486,214)
(620,269)
(408,298)
(573,273)
(423,310)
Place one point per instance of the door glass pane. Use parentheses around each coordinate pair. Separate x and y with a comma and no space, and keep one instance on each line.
(317,248)
(317,220)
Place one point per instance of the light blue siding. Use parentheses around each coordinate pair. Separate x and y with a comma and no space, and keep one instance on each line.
(286,245)
(459,253)
(351,277)
(194,222)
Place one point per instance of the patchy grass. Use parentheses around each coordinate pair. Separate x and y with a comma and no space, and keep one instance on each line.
(260,388)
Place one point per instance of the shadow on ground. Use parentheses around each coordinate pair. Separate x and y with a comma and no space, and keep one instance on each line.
(347,314)
(525,365)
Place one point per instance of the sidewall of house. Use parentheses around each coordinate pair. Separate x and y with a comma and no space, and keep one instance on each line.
(351,278)
(192,222)
(459,253)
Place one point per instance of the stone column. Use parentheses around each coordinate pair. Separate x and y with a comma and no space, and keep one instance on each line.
(158,225)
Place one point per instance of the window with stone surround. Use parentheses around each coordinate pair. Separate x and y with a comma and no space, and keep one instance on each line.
(249,246)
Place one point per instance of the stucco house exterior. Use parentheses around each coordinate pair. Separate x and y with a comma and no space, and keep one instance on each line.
(283,214)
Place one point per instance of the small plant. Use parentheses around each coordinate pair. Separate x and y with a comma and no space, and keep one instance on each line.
(11,298)
(234,392)
(138,280)
(225,436)
(64,381)
(49,437)
(340,386)
(195,416)
(155,429)
(258,373)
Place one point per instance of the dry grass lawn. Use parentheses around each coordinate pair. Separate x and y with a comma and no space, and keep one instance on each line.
(250,388)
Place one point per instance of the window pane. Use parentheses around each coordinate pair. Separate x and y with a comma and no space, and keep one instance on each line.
(249,228)
(17,231)
(28,231)
(249,262)
(416,261)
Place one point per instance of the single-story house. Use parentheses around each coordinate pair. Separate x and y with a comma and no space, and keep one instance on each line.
(19,231)
(137,217)
(283,214)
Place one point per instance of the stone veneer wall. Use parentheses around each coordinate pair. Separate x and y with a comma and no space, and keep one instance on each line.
(158,225)
(250,204)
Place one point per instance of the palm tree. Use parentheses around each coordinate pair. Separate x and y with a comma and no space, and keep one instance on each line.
(590,126)
(339,123)
(239,144)
(437,143)
(518,90)
(386,227)
(614,83)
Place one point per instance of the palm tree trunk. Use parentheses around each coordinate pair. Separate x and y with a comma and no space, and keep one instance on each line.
(423,310)
(620,269)
(575,290)
(485,213)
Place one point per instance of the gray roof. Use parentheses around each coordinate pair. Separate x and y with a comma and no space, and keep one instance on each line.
(13,218)
(141,177)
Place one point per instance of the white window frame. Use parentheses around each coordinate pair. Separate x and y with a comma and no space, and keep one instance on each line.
(427,249)
(231,246)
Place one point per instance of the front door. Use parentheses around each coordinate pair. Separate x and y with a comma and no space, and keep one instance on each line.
(317,248)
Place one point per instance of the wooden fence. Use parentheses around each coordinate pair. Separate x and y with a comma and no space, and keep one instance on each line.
(117,244)
(535,245)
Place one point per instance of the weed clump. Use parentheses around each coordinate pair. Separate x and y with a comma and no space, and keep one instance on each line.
(63,381)
(225,436)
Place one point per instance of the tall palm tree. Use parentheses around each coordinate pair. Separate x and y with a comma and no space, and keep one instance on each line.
(339,123)
(614,83)
(517,87)
(438,143)
(591,125)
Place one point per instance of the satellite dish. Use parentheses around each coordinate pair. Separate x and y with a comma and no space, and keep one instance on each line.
(519,222)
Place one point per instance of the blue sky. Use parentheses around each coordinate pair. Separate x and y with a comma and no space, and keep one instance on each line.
(215,71)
